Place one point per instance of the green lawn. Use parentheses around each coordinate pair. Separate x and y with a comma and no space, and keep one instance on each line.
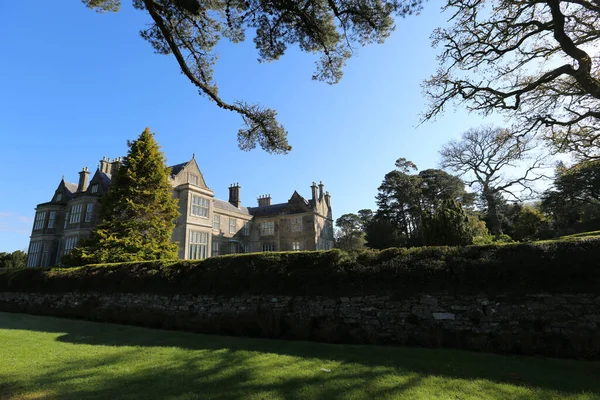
(49,358)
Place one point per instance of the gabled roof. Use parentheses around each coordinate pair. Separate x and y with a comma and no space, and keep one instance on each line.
(227,206)
(71,187)
(193,165)
(176,169)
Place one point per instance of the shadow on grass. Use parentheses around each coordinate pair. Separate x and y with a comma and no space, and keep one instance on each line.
(219,367)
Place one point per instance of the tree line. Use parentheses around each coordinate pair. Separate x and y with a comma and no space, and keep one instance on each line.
(491,197)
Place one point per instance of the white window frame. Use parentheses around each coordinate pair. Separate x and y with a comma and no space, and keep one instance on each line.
(94,188)
(76,214)
(232,225)
(89,210)
(296,224)
(70,243)
(268,247)
(33,255)
(40,219)
(59,197)
(246,229)
(296,246)
(216,222)
(198,245)
(51,219)
(192,179)
(199,206)
(267,228)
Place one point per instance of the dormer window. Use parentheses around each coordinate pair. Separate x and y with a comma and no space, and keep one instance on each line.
(193,179)
(95,188)
(59,197)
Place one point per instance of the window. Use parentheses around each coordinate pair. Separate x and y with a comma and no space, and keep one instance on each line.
(233,248)
(232,225)
(296,224)
(70,243)
(216,222)
(39,220)
(199,206)
(58,196)
(268,247)
(66,219)
(95,188)
(45,254)
(193,179)
(296,246)
(267,228)
(51,219)
(246,231)
(215,248)
(88,212)
(198,245)
(76,214)
(34,254)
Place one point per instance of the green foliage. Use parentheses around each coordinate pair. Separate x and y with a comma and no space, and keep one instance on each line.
(16,259)
(190,30)
(137,215)
(447,226)
(555,267)
(405,196)
(573,204)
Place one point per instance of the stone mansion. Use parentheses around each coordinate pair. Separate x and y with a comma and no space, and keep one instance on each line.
(206,227)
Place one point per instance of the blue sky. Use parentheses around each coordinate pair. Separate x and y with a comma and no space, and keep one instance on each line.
(75,85)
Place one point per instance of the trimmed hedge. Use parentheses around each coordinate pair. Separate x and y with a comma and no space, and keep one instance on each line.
(558,267)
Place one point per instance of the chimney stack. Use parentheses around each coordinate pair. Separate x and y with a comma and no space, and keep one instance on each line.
(321,186)
(234,195)
(328,199)
(264,200)
(115,164)
(83,180)
(313,189)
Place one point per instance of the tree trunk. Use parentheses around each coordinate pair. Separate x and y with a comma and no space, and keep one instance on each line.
(495,225)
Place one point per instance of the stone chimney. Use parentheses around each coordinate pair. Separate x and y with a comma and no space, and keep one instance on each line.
(264,200)
(114,165)
(104,165)
(321,186)
(328,199)
(83,180)
(234,195)
(313,189)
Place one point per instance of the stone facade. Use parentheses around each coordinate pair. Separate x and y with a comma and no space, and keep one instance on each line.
(554,325)
(207,226)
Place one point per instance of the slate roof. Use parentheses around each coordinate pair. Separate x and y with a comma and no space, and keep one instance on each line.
(263,211)
(227,206)
(71,187)
(175,169)
(106,178)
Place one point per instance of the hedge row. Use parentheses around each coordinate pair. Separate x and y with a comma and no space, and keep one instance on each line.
(494,269)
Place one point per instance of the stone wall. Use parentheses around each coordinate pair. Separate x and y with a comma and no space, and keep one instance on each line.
(563,325)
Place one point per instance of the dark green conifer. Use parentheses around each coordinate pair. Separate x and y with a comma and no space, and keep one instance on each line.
(137,215)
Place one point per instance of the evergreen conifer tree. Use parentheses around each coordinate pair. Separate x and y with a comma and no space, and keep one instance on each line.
(447,226)
(137,215)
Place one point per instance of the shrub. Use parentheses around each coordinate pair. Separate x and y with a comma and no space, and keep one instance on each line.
(508,268)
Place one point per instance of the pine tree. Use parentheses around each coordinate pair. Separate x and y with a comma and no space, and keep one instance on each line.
(137,215)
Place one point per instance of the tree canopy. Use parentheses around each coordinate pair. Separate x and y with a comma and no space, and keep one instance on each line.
(482,156)
(332,29)
(138,214)
(530,60)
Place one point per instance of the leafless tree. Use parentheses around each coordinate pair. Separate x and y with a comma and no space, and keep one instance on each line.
(536,61)
(482,156)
